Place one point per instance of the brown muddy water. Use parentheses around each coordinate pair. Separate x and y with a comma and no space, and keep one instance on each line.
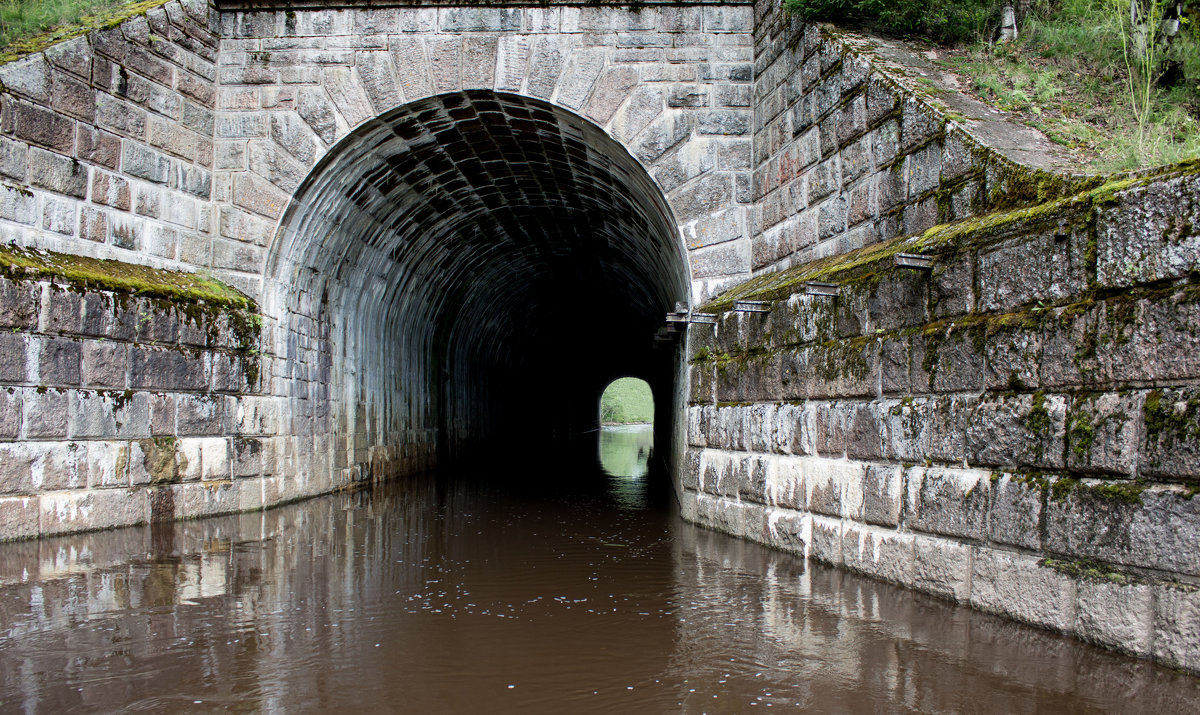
(566,591)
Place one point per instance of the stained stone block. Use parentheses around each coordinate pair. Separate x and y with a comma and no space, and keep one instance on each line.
(1147,235)
(1102,433)
(880,553)
(19,515)
(44,413)
(788,531)
(10,413)
(57,173)
(29,76)
(1176,637)
(1014,585)
(1021,430)
(480,19)
(883,488)
(942,567)
(953,502)
(69,511)
(1114,614)
(171,369)
(826,544)
(1118,523)
(727,122)
(105,364)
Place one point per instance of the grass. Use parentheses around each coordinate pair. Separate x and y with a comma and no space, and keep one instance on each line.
(30,25)
(1065,76)
(626,401)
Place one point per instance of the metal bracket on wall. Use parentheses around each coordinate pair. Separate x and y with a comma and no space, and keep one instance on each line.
(826,290)
(752,306)
(914,261)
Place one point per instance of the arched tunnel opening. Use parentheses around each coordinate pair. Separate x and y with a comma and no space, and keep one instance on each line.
(462,276)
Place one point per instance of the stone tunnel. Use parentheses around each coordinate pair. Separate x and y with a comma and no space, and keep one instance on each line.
(252,252)
(481,265)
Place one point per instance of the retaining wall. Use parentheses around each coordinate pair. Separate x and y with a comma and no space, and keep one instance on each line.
(1017,428)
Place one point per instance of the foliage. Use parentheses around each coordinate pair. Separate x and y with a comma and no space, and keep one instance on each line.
(627,400)
(1066,75)
(28,25)
(947,21)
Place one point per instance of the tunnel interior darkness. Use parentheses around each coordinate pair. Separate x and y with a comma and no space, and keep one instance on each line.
(467,273)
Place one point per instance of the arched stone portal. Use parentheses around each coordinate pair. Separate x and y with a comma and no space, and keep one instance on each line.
(467,271)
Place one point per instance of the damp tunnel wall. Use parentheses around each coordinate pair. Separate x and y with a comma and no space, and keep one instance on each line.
(461,276)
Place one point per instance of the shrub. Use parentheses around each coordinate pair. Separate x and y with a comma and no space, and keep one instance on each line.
(948,21)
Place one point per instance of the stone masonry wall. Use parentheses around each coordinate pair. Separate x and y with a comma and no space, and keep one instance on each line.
(117,409)
(106,140)
(845,157)
(1017,428)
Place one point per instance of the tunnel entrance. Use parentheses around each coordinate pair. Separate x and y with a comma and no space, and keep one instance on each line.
(465,274)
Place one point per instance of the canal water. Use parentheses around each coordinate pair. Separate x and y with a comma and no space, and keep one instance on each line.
(567,590)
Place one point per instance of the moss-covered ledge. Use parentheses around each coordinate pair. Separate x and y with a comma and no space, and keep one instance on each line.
(945,240)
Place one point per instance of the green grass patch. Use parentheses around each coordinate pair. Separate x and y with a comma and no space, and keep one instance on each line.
(626,401)
(28,26)
(1066,76)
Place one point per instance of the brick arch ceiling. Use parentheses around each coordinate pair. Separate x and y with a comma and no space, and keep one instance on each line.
(489,247)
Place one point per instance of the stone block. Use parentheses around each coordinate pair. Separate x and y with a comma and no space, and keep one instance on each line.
(167,369)
(1171,439)
(880,553)
(1116,614)
(1176,638)
(788,531)
(1019,431)
(98,147)
(1047,267)
(883,494)
(942,567)
(1016,586)
(85,510)
(826,543)
(1013,358)
(203,459)
(834,487)
(145,163)
(948,362)
(57,173)
(1102,433)
(105,364)
(109,415)
(1123,524)
(200,415)
(258,196)
(1147,235)
(316,109)
(73,98)
(1016,511)
(59,362)
(953,502)
(37,125)
(19,516)
(209,498)
(14,162)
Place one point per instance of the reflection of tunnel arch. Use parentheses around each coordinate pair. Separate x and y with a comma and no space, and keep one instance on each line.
(467,269)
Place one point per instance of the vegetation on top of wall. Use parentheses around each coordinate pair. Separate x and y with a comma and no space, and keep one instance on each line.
(947,21)
(868,261)
(28,26)
(106,274)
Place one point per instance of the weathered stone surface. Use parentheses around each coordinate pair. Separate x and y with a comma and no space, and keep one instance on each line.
(1121,524)
(879,553)
(57,173)
(942,567)
(1171,442)
(1146,237)
(1176,637)
(953,502)
(1015,585)
(1118,615)
(1023,430)
(1016,511)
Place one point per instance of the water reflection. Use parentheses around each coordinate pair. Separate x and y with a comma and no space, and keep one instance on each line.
(438,596)
(625,450)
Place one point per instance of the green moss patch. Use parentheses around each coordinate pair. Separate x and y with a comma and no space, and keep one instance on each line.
(120,277)
(1088,569)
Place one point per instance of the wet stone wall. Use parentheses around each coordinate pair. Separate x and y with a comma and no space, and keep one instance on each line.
(1017,428)
(117,409)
